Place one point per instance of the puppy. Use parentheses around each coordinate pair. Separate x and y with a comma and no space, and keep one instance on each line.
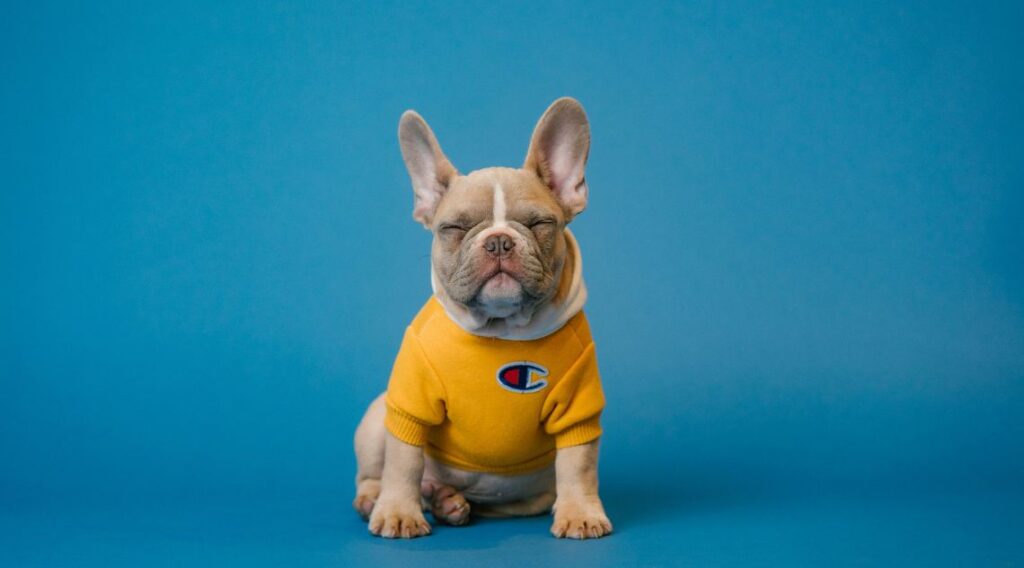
(494,400)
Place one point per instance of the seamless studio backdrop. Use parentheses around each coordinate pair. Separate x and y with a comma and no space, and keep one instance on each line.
(803,249)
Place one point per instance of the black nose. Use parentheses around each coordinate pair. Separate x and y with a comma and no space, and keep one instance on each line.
(499,245)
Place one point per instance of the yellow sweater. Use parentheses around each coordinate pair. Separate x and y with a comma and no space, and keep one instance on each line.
(493,405)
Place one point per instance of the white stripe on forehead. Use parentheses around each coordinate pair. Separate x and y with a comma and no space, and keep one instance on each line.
(499,206)
(499,221)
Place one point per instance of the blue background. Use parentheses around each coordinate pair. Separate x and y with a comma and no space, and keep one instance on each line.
(804,248)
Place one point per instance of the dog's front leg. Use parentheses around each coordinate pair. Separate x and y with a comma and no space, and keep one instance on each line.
(398,512)
(578,510)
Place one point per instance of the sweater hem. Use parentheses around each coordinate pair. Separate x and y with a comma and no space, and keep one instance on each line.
(543,461)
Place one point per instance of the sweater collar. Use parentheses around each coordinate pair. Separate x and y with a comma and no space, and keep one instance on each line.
(539,322)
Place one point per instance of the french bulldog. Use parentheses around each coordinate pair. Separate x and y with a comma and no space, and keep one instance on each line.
(507,282)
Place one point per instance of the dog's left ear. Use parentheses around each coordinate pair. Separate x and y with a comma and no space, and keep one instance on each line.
(558,153)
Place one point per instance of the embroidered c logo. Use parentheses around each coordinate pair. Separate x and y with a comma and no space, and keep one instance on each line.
(520,377)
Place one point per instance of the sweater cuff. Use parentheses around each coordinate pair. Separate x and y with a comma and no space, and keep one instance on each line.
(579,434)
(406,427)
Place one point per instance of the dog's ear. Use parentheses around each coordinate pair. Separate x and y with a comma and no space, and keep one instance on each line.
(429,169)
(558,153)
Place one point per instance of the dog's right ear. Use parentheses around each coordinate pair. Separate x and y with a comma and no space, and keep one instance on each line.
(429,169)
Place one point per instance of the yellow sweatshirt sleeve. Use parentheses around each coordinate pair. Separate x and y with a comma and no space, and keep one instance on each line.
(416,397)
(573,408)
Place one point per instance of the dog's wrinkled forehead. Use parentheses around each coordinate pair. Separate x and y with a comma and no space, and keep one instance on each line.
(496,196)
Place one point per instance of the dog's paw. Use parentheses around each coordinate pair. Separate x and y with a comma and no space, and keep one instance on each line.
(391,519)
(363,504)
(366,497)
(580,519)
(449,506)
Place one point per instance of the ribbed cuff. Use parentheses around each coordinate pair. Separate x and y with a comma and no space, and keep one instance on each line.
(579,434)
(405,427)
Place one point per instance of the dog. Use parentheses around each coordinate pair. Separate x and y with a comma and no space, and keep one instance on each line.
(494,401)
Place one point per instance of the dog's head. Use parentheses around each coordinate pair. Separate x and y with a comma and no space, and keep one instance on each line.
(499,244)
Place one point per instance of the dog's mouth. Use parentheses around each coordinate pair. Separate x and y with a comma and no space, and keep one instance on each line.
(500,272)
(501,278)
(500,283)
(500,288)
(495,287)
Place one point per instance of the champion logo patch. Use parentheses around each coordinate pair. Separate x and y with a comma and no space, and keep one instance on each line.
(522,377)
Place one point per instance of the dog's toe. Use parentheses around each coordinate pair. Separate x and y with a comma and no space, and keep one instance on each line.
(580,521)
(363,504)
(449,506)
(398,522)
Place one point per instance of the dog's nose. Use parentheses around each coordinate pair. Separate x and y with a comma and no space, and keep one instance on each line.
(499,245)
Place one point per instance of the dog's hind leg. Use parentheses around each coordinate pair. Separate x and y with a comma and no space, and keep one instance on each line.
(369,443)
(445,502)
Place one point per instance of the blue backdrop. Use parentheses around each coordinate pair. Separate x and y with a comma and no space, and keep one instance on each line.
(803,247)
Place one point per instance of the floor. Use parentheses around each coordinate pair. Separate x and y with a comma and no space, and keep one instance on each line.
(964,530)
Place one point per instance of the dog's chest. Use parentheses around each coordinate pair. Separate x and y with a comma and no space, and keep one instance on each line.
(502,384)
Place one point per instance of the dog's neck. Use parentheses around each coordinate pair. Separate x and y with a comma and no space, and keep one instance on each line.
(529,323)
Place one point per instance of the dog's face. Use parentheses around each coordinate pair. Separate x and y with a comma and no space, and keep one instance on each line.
(499,245)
